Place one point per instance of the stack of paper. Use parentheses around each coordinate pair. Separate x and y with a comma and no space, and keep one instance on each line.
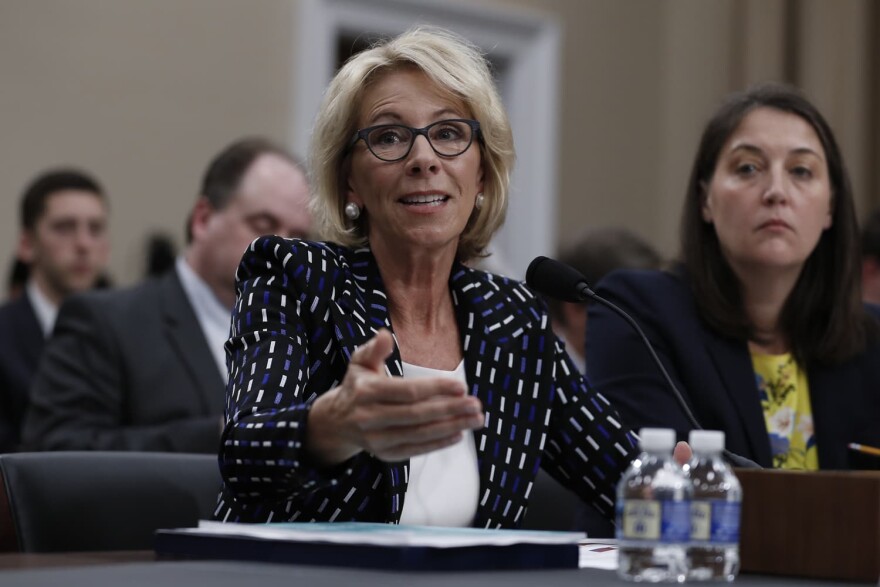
(386,546)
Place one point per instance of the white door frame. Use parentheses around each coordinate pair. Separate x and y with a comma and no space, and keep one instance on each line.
(528,46)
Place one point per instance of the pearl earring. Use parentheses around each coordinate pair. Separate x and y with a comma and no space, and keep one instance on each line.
(352,211)
(478,204)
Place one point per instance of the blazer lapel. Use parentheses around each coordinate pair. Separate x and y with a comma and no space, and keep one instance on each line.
(488,331)
(735,370)
(830,388)
(22,352)
(359,309)
(185,335)
(30,340)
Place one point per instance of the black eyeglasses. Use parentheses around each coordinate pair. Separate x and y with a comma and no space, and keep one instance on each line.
(393,142)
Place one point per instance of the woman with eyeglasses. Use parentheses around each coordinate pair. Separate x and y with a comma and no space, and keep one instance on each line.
(376,377)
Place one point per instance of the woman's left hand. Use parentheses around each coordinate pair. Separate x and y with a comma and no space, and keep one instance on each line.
(682,453)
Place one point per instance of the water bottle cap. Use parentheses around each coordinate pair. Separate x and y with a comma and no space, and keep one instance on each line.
(656,439)
(706,440)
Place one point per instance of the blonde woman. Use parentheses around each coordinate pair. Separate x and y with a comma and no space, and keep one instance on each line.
(377,377)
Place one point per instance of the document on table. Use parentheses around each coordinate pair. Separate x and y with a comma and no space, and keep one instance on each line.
(598,553)
(389,534)
(369,545)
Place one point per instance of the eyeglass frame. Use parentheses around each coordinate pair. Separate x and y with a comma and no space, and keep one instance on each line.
(364,132)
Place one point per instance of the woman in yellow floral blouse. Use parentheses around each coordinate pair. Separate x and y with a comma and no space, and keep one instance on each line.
(761,325)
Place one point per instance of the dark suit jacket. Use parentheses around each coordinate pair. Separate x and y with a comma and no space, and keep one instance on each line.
(127,370)
(302,310)
(715,374)
(21,342)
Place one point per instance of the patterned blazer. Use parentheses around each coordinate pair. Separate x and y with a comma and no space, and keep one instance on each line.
(302,310)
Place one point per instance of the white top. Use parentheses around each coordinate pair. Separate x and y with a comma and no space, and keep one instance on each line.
(444,485)
(43,307)
(213,316)
(579,361)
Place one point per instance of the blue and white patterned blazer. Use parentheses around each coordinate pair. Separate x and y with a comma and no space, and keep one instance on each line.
(302,310)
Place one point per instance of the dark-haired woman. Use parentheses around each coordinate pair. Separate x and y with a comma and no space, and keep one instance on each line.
(760,326)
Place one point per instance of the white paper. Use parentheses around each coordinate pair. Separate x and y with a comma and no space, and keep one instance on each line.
(598,554)
(385,534)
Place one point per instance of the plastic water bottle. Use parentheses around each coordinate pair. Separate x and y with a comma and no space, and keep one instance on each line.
(653,513)
(715,510)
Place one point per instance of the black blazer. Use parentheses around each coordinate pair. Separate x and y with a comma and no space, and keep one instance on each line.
(715,374)
(21,343)
(302,310)
(127,370)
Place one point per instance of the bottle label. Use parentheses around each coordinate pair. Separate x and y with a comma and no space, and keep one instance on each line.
(701,520)
(725,521)
(664,521)
(641,520)
(715,521)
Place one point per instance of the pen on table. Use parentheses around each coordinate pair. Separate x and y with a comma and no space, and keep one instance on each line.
(869,450)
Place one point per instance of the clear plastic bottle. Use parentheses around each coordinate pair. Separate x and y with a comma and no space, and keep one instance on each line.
(653,513)
(715,510)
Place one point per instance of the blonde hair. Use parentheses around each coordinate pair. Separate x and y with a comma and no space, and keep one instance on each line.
(454,64)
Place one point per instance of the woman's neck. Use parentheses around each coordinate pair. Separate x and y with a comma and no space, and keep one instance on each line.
(420,306)
(764,296)
(416,280)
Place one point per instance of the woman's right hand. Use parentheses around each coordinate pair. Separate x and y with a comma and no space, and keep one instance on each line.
(390,417)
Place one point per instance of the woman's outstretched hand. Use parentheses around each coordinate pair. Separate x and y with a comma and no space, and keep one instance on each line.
(390,417)
(682,453)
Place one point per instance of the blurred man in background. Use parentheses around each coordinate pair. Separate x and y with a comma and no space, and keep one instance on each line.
(63,249)
(144,368)
(595,253)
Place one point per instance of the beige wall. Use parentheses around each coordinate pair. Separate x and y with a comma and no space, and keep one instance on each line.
(143,93)
(140,93)
(641,77)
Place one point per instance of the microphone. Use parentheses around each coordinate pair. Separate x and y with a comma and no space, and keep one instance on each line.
(560,281)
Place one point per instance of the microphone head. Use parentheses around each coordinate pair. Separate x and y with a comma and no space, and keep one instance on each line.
(533,269)
(557,280)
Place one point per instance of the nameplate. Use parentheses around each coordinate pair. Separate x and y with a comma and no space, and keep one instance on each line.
(822,525)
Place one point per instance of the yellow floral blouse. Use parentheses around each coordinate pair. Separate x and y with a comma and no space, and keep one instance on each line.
(785,398)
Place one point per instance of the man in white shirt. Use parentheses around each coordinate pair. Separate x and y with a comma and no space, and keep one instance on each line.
(65,248)
(144,368)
